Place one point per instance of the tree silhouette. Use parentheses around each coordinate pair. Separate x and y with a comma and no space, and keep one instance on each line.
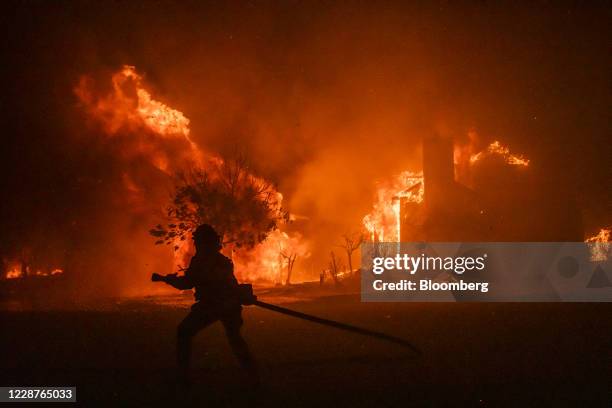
(351,242)
(242,207)
(289,259)
(334,267)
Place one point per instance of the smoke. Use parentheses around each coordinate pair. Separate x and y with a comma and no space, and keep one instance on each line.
(324,99)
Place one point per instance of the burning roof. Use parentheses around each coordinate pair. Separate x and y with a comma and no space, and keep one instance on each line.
(438,191)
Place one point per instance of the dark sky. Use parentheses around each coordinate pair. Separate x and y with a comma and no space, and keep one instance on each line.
(310,87)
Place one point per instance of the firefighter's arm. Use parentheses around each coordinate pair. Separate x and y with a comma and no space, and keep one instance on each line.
(178,282)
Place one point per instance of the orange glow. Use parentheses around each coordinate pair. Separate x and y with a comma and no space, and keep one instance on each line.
(496,148)
(14,273)
(159,117)
(383,222)
(130,111)
(160,134)
(130,105)
(266,262)
(15,270)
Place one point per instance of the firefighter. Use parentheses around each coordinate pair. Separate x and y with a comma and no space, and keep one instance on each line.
(217,295)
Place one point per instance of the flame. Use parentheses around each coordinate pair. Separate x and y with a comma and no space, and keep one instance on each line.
(600,245)
(14,270)
(130,108)
(56,271)
(268,259)
(14,273)
(130,104)
(496,148)
(148,127)
(383,222)
(159,117)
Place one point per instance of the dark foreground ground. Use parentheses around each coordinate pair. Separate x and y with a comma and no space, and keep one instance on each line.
(474,354)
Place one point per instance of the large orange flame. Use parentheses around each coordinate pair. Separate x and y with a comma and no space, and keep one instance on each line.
(268,261)
(159,117)
(130,111)
(383,222)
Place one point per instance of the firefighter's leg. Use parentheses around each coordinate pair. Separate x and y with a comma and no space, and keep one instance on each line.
(232,321)
(189,327)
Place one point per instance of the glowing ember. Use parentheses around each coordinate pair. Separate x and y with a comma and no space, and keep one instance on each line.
(383,223)
(600,245)
(496,148)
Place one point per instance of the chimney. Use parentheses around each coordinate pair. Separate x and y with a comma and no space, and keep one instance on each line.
(438,171)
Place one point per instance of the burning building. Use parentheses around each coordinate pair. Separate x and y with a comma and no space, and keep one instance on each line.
(486,196)
(452,210)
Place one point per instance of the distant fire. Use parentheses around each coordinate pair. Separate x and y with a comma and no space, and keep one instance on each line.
(600,245)
(496,148)
(16,270)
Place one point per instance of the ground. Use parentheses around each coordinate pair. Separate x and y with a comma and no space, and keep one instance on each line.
(495,354)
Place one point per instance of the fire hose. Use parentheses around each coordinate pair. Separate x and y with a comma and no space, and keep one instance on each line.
(247,298)
(339,325)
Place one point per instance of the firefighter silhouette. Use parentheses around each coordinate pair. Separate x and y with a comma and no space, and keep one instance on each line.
(217,297)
